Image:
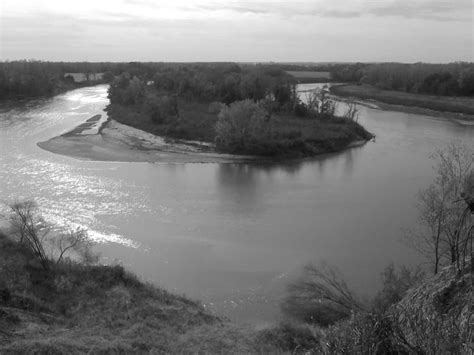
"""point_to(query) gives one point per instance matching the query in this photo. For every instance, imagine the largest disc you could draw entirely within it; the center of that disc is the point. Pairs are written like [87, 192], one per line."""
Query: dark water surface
[230, 235]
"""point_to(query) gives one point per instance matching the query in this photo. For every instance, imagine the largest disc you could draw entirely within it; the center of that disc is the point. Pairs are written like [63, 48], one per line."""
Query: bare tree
[47, 243]
[73, 241]
[30, 229]
[352, 113]
[321, 296]
[240, 124]
[319, 103]
[444, 228]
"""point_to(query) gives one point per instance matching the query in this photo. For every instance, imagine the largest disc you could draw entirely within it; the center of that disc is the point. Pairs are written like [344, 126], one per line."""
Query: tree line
[451, 79]
[205, 82]
[30, 78]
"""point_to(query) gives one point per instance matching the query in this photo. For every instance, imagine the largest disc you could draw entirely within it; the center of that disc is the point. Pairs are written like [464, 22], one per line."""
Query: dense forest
[22, 79]
[206, 82]
[30, 78]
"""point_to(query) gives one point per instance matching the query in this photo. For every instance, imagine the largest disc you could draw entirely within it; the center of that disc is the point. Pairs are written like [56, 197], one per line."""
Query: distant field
[307, 75]
[463, 105]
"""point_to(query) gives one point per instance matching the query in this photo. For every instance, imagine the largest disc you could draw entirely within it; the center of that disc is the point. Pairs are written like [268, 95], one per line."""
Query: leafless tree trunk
[443, 229]
[31, 229]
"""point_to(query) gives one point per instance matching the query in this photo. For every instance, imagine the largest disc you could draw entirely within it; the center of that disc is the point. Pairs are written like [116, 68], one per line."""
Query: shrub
[367, 334]
[162, 109]
[241, 125]
[215, 107]
[320, 296]
[395, 286]
[290, 337]
[47, 243]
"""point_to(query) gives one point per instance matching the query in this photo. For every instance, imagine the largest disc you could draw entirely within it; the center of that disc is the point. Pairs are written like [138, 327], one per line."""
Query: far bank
[459, 109]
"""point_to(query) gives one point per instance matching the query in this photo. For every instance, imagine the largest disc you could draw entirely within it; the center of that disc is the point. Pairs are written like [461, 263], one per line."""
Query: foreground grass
[292, 137]
[433, 318]
[462, 105]
[74, 308]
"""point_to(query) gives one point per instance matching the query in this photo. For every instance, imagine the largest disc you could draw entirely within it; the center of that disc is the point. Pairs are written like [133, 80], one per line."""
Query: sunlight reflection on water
[68, 192]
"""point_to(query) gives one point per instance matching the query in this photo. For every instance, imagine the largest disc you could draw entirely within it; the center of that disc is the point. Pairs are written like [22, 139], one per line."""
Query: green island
[242, 109]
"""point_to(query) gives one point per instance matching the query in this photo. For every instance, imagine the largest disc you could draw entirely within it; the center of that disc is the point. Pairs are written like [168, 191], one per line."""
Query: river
[231, 235]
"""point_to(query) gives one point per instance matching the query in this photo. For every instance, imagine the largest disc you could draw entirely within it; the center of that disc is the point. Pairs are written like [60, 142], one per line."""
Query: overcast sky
[234, 30]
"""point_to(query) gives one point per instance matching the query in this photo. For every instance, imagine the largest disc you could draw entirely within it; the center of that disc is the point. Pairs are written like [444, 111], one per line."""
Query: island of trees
[243, 109]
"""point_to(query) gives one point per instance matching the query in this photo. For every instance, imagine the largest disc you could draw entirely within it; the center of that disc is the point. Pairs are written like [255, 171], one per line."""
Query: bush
[47, 243]
[367, 334]
[162, 109]
[290, 337]
[395, 286]
[320, 296]
[216, 107]
[241, 126]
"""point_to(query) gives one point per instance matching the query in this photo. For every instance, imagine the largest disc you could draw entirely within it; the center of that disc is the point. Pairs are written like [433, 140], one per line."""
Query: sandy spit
[117, 142]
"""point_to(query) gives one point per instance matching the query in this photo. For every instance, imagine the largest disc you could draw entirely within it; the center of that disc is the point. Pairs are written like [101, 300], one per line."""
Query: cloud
[195, 30]
[284, 9]
[438, 10]
[441, 10]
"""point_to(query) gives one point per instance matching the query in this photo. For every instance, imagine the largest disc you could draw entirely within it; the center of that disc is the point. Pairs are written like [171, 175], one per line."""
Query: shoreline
[114, 141]
[117, 142]
[374, 101]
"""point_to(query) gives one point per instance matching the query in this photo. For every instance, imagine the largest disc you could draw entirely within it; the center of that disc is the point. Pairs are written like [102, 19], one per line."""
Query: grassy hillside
[438, 315]
[434, 317]
[74, 308]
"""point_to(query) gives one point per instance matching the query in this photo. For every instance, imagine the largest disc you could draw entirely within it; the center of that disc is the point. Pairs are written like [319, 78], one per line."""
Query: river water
[231, 235]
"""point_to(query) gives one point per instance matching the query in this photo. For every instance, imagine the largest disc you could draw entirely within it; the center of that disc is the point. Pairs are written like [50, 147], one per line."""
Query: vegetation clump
[411, 314]
[445, 230]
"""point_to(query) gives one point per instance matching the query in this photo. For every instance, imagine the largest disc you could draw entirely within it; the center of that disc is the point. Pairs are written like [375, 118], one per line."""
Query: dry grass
[76, 309]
